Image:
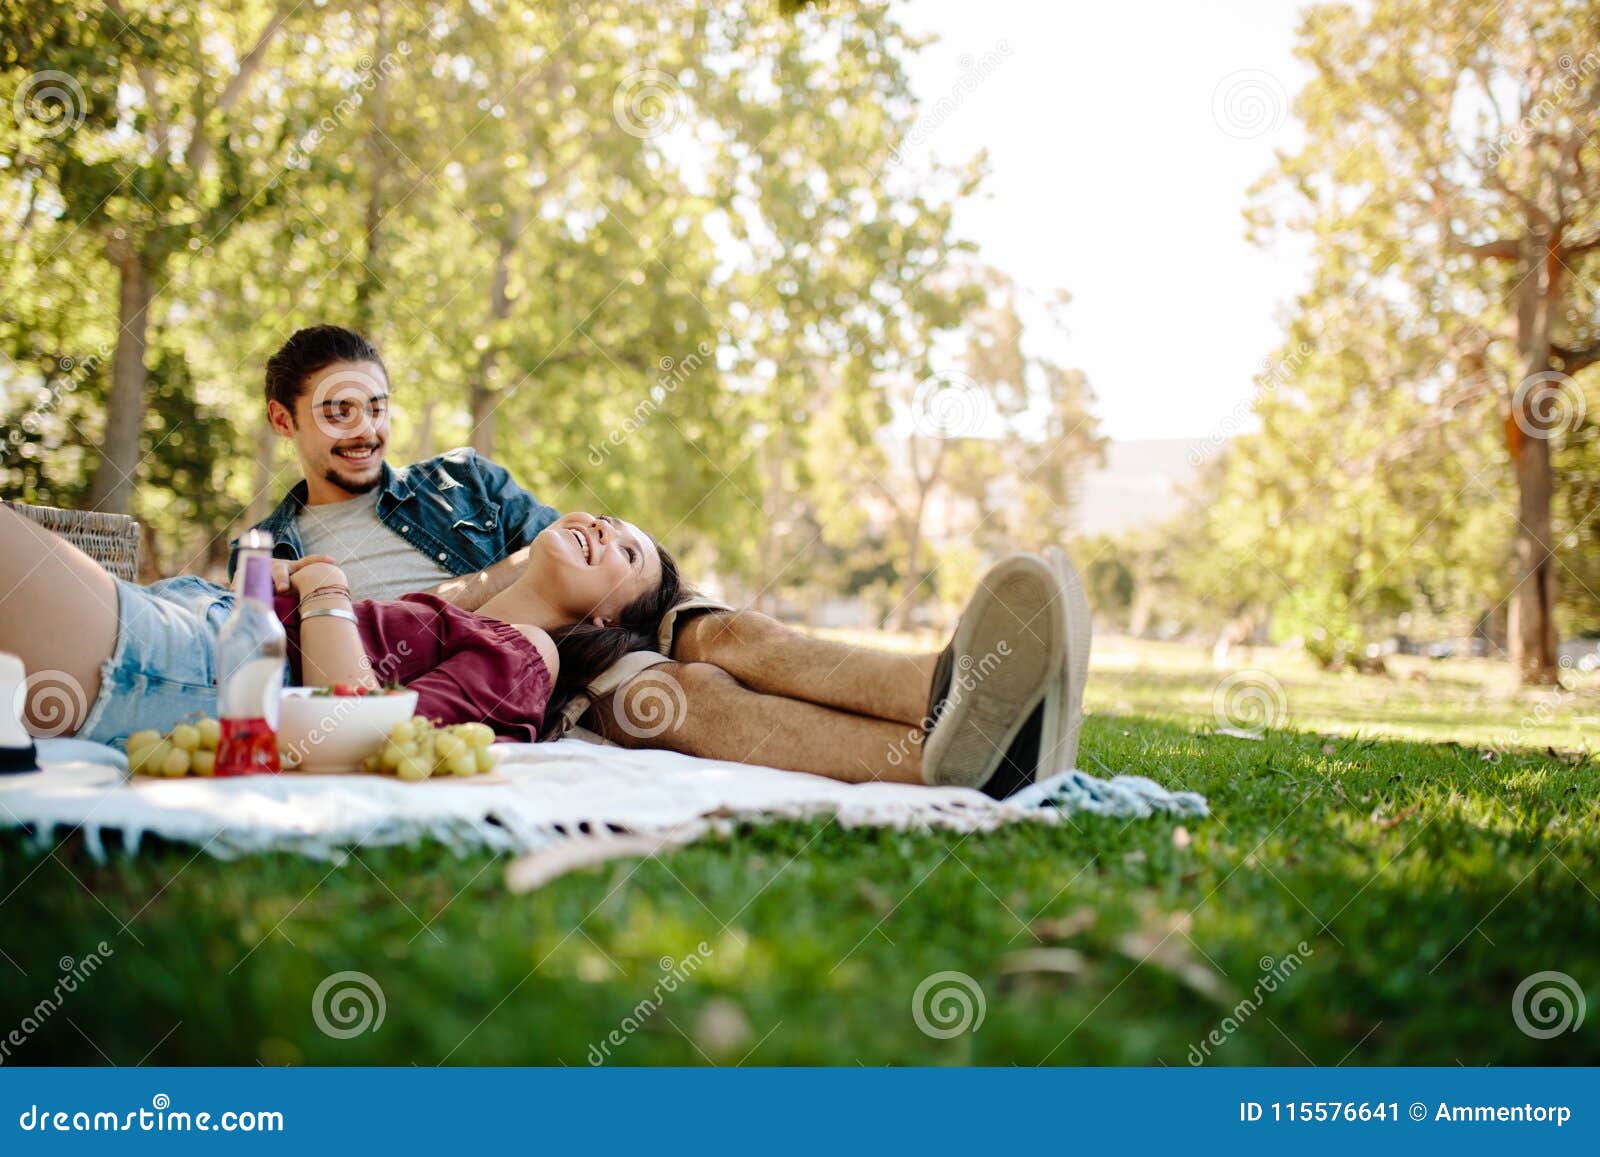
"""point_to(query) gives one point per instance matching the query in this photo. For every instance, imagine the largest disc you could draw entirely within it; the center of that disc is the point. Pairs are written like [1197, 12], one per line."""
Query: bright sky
[1111, 177]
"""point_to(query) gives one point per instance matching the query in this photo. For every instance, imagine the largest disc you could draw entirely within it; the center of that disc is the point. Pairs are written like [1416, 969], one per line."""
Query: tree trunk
[114, 478]
[368, 284]
[481, 394]
[1532, 628]
[905, 613]
[262, 498]
[425, 432]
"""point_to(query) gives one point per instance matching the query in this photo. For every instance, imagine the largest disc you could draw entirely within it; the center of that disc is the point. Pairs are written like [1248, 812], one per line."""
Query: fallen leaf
[721, 1028]
[1066, 961]
[1235, 733]
[1181, 838]
[873, 895]
[536, 869]
[1063, 927]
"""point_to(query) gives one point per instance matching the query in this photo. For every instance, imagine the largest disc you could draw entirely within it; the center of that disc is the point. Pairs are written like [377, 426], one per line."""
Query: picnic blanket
[542, 795]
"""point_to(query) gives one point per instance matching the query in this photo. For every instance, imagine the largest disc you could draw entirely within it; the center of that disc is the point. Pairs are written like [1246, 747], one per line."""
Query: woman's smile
[585, 544]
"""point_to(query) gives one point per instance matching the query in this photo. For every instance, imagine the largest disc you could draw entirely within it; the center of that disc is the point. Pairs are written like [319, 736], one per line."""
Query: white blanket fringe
[546, 793]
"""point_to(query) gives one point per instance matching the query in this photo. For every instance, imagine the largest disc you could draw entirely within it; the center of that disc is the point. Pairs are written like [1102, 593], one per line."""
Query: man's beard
[351, 486]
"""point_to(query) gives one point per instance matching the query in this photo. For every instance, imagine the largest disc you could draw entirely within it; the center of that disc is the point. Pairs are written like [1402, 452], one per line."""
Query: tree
[184, 176]
[1451, 163]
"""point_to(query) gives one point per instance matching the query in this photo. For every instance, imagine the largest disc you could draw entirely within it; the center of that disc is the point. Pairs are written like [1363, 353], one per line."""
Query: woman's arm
[331, 651]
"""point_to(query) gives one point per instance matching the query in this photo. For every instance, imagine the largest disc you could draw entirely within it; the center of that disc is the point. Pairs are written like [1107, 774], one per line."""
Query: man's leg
[700, 709]
[767, 656]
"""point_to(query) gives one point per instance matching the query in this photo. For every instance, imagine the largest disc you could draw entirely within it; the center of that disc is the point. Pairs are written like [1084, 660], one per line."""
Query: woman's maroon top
[465, 668]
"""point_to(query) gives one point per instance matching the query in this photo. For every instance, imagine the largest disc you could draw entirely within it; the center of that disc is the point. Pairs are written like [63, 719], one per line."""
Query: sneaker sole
[1063, 717]
[1018, 604]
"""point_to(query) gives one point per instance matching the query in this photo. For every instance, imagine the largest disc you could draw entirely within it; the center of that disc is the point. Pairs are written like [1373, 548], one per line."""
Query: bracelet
[330, 612]
[330, 589]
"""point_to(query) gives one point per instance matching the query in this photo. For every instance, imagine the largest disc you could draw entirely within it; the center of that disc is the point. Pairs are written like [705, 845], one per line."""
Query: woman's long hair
[587, 650]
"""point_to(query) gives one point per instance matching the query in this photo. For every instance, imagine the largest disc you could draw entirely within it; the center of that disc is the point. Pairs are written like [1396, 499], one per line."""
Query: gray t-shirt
[379, 563]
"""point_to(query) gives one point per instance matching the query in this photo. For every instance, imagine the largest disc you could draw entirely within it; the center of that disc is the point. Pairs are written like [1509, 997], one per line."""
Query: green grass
[1425, 882]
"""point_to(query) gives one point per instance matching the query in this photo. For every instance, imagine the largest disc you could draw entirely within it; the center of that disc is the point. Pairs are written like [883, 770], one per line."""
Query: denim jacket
[458, 507]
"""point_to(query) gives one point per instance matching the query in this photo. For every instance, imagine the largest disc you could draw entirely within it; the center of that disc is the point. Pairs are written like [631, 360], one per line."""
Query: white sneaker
[1004, 660]
[1058, 741]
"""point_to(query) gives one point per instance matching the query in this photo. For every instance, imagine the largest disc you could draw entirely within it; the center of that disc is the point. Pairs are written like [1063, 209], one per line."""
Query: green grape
[176, 763]
[154, 756]
[391, 755]
[184, 737]
[404, 732]
[462, 762]
[210, 733]
[142, 739]
[413, 768]
[203, 762]
[485, 759]
[477, 735]
[449, 744]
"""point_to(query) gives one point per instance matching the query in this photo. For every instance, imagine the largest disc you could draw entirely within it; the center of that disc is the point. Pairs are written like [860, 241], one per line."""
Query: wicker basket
[112, 540]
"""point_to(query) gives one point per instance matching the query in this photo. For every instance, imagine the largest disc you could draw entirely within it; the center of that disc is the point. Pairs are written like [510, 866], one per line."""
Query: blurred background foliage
[683, 261]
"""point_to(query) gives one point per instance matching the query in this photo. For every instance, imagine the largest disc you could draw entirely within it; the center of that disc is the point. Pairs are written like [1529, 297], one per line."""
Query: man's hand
[282, 568]
[307, 574]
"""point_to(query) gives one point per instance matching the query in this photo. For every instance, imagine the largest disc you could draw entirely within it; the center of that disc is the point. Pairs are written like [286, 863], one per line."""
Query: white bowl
[332, 734]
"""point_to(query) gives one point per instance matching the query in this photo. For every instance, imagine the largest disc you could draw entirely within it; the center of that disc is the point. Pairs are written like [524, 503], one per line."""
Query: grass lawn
[1367, 891]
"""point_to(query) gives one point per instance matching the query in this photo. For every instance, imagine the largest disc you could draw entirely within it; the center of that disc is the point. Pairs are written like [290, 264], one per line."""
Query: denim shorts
[163, 669]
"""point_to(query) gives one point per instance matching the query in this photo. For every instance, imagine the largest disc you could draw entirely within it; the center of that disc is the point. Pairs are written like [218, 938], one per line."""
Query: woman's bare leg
[58, 613]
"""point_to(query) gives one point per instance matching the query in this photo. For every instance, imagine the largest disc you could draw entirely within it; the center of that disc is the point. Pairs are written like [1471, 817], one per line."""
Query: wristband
[330, 612]
[329, 589]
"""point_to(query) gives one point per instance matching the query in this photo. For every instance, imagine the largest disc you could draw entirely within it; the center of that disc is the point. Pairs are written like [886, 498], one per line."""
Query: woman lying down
[146, 656]
[1002, 699]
